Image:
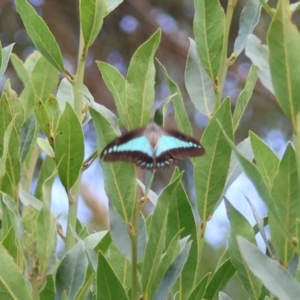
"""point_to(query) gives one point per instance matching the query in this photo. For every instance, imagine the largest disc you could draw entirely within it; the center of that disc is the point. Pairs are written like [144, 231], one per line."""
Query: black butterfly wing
[132, 147]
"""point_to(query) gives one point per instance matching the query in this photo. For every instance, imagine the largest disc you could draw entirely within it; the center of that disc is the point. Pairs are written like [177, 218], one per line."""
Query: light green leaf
[266, 160]
[92, 13]
[278, 280]
[70, 275]
[109, 286]
[199, 290]
[20, 69]
[209, 24]
[244, 97]
[40, 34]
[112, 4]
[156, 239]
[248, 20]
[198, 84]
[285, 192]
[181, 117]
[212, 168]
[13, 284]
[119, 178]
[283, 41]
[140, 81]
[69, 147]
[28, 199]
[259, 55]
[6, 52]
[240, 226]
[115, 82]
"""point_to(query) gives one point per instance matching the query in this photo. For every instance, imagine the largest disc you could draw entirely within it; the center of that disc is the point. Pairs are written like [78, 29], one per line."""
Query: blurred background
[124, 30]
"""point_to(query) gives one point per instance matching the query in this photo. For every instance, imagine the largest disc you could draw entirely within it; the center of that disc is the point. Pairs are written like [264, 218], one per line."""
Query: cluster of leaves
[158, 257]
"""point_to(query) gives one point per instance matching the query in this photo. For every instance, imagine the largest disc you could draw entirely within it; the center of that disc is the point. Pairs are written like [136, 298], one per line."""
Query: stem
[134, 244]
[297, 143]
[72, 215]
[200, 242]
[224, 61]
[87, 163]
[267, 8]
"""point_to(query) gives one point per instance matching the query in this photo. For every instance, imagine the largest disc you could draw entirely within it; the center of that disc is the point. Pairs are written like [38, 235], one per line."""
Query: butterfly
[152, 147]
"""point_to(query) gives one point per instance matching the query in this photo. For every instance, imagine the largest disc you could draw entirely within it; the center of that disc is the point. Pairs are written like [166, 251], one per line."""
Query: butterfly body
[152, 147]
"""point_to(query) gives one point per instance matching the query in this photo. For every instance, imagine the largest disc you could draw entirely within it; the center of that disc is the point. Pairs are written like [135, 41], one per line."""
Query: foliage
[158, 256]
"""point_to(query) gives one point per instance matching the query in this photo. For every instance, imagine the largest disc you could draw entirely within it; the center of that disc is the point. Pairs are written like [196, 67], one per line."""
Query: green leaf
[278, 280]
[223, 296]
[156, 239]
[13, 284]
[198, 84]
[285, 192]
[27, 137]
[46, 147]
[249, 18]
[119, 178]
[283, 41]
[70, 275]
[199, 290]
[40, 34]
[181, 218]
[160, 113]
[140, 81]
[212, 168]
[181, 117]
[10, 244]
[20, 68]
[219, 279]
[241, 227]
[121, 266]
[115, 82]
[266, 160]
[108, 284]
[28, 199]
[259, 182]
[172, 273]
[244, 97]
[6, 52]
[69, 147]
[112, 4]
[209, 25]
[259, 55]
[92, 13]
[48, 292]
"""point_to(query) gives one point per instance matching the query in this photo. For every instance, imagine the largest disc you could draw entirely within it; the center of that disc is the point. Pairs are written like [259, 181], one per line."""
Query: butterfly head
[153, 134]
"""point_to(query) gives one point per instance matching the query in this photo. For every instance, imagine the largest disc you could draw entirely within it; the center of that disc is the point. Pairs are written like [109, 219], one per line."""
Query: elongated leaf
[275, 278]
[161, 111]
[20, 69]
[28, 133]
[283, 40]
[241, 227]
[181, 218]
[40, 34]
[259, 54]
[115, 82]
[6, 51]
[219, 279]
[285, 192]
[108, 285]
[211, 169]
[119, 178]
[140, 83]
[244, 97]
[69, 147]
[172, 273]
[156, 239]
[9, 243]
[198, 84]
[209, 31]
[223, 296]
[13, 284]
[266, 160]
[199, 290]
[259, 182]
[92, 13]
[181, 117]
[249, 18]
[70, 274]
